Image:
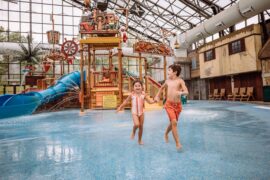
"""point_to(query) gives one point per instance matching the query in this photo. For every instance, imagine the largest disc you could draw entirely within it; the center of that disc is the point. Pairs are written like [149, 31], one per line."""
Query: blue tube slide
[25, 104]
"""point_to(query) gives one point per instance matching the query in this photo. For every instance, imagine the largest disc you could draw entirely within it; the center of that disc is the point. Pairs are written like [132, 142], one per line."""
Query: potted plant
[30, 55]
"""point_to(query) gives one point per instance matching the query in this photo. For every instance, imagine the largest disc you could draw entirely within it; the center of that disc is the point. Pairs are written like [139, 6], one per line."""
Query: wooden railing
[152, 86]
[45, 83]
[100, 81]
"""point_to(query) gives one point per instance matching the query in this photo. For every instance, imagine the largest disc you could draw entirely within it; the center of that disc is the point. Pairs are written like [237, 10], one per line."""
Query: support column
[165, 74]
[89, 77]
[165, 67]
[140, 66]
[145, 74]
[82, 83]
[53, 69]
[94, 59]
[110, 60]
[120, 74]
[232, 83]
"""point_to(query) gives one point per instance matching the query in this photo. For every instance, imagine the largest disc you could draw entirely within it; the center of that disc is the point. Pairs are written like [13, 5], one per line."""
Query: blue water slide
[25, 104]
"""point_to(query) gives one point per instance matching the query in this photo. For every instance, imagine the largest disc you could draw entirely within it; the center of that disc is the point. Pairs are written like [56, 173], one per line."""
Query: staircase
[152, 89]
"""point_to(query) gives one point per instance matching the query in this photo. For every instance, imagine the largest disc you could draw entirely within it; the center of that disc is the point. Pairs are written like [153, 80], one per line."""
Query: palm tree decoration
[29, 55]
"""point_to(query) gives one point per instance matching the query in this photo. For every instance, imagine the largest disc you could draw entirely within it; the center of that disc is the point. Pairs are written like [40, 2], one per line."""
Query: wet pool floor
[221, 140]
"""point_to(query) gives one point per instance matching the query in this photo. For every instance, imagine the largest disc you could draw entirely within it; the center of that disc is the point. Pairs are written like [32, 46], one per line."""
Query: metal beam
[173, 14]
[137, 23]
[195, 8]
[166, 20]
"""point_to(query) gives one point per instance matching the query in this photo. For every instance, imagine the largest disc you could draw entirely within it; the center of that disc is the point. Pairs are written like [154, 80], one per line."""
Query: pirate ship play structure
[91, 88]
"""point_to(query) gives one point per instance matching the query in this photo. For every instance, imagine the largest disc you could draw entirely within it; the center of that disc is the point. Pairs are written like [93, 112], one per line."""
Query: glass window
[58, 28]
[36, 8]
[14, 26]
[37, 28]
[4, 5]
[237, 46]
[47, 18]
[4, 24]
[47, 1]
[36, 18]
[25, 27]
[57, 10]
[47, 8]
[45, 38]
[68, 20]
[25, 17]
[37, 38]
[76, 29]
[59, 2]
[67, 10]
[68, 30]
[14, 16]
[47, 27]
[36, 1]
[23, 36]
[25, 6]
[193, 63]
[14, 7]
[16, 37]
[57, 19]
[77, 12]
[4, 15]
[3, 36]
[209, 55]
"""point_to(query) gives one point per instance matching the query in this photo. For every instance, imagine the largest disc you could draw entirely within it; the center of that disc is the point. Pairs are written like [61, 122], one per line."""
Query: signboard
[109, 101]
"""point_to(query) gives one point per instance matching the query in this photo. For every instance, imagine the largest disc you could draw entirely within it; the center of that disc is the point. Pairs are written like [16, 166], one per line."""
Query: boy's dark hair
[137, 81]
[176, 67]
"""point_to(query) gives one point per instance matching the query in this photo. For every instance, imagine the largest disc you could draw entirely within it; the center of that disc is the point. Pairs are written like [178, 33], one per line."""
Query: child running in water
[137, 97]
[175, 88]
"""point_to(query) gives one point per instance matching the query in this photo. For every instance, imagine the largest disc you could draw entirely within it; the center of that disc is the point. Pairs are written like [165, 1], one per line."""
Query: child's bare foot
[140, 142]
[132, 135]
[166, 138]
[179, 147]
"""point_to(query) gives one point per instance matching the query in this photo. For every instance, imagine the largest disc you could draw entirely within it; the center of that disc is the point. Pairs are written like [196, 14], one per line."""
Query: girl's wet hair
[137, 81]
[176, 68]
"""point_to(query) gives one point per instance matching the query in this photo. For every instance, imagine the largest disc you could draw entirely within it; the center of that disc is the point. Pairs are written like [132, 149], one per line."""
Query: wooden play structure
[106, 88]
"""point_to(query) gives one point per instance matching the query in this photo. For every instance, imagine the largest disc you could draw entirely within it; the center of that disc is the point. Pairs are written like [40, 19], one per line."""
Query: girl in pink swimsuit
[137, 97]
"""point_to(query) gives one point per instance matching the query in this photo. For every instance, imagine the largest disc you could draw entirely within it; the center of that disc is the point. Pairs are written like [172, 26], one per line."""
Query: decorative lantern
[53, 37]
[176, 45]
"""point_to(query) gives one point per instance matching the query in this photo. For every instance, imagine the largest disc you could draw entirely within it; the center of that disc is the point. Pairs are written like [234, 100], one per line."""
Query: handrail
[130, 80]
[153, 81]
[100, 72]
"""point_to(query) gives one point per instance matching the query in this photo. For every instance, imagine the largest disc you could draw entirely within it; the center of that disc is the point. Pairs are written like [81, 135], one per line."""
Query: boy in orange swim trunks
[175, 88]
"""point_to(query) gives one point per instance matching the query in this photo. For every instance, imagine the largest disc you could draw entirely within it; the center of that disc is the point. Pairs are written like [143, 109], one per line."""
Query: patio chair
[221, 95]
[248, 95]
[233, 94]
[1, 90]
[9, 90]
[212, 96]
[241, 93]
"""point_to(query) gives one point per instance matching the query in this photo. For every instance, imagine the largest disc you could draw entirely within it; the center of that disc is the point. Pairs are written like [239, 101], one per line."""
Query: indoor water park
[154, 89]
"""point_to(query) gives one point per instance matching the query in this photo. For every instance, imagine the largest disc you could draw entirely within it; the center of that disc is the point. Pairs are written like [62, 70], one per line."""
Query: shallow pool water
[221, 140]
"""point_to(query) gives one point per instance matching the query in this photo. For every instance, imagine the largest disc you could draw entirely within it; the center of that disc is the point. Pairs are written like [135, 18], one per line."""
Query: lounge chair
[221, 95]
[241, 93]
[233, 94]
[248, 95]
[212, 96]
